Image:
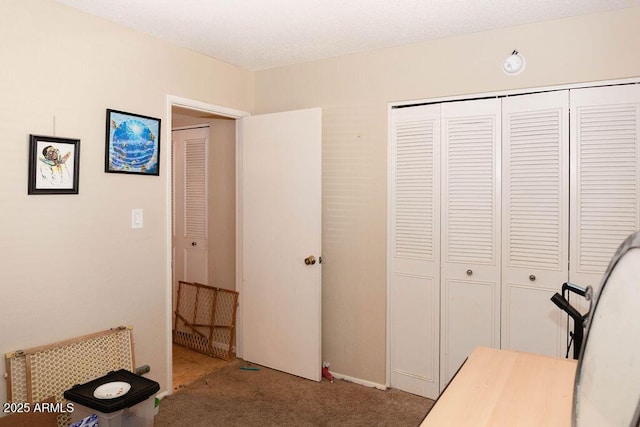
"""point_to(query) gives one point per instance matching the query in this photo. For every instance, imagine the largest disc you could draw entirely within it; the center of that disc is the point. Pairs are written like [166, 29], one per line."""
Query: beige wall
[354, 91]
[71, 264]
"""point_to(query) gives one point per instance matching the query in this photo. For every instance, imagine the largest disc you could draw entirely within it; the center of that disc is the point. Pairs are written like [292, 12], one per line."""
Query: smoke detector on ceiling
[514, 64]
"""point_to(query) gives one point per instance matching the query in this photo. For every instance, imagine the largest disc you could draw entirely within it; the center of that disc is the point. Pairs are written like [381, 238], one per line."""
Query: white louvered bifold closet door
[191, 207]
[470, 291]
[414, 250]
[535, 194]
[605, 177]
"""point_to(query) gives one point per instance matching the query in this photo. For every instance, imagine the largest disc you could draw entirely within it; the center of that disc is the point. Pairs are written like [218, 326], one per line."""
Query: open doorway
[202, 215]
[277, 188]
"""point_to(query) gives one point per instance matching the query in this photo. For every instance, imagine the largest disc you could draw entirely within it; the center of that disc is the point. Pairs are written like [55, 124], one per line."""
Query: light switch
[137, 220]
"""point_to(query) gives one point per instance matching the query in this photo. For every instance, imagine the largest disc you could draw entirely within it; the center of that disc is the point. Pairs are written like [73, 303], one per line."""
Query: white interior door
[414, 250]
[190, 261]
[281, 216]
[535, 229]
[471, 228]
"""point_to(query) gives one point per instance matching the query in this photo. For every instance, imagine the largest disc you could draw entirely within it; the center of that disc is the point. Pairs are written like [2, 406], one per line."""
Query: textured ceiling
[262, 34]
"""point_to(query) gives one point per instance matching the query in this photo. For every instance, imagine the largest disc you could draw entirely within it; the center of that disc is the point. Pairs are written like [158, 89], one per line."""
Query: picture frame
[54, 165]
[132, 143]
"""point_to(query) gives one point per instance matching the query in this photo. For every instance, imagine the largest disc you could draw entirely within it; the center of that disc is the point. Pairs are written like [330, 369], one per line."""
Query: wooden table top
[507, 388]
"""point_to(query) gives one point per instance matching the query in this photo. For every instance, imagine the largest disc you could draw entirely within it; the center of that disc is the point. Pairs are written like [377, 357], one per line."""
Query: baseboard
[358, 381]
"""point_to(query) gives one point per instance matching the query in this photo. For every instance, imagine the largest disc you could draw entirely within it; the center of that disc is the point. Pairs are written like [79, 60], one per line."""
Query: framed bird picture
[132, 144]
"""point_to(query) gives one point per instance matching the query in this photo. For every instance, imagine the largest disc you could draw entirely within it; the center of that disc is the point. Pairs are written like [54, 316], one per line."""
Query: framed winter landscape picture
[132, 143]
[54, 165]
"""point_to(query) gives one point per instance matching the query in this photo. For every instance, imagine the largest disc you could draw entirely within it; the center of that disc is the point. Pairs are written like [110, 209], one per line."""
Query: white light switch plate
[137, 219]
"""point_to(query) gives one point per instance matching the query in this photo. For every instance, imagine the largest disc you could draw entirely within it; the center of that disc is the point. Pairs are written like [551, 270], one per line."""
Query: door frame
[177, 101]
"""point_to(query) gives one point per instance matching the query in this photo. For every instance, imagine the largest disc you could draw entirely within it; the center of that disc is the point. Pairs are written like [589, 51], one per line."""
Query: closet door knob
[532, 278]
[469, 272]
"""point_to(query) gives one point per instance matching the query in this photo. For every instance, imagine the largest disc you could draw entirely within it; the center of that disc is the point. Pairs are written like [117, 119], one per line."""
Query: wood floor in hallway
[189, 365]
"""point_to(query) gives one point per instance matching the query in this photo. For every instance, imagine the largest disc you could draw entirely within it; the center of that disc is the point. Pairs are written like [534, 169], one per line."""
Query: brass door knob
[310, 260]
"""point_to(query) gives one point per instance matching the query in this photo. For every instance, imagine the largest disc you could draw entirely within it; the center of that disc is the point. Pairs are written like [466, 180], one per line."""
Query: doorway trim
[177, 101]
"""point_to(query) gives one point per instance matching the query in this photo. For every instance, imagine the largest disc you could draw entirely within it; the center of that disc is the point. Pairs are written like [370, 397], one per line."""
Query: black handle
[578, 320]
[564, 305]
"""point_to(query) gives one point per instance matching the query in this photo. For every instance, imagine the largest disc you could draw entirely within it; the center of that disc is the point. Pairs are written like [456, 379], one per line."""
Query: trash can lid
[141, 389]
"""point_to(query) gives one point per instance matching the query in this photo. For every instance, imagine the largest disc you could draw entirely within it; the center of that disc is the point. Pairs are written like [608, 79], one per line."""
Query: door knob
[469, 272]
[194, 244]
[310, 260]
[532, 278]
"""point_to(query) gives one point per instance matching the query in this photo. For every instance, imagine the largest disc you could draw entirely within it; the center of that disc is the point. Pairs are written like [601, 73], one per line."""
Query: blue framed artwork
[133, 144]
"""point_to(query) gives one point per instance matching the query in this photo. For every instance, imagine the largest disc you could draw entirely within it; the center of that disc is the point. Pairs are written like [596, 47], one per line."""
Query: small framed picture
[133, 144]
[54, 165]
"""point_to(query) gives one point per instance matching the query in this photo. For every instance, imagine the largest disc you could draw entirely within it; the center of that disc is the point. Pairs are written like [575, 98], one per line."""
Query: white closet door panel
[535, 159]
[532, 322]
[471, 313]
[416, 334]
[414, 250]
[605, 128]
[195, 261]
[471, 214]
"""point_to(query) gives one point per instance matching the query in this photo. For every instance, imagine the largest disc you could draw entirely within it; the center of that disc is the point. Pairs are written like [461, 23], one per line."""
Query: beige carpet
[234, 397]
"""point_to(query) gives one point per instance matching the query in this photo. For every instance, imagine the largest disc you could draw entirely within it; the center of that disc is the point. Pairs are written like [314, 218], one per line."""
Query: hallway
[189, 365]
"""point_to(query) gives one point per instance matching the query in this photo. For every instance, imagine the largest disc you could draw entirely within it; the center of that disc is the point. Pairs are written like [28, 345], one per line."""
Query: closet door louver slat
[414, 204]
[470, 189]
[195, 187]
[606, 182]
[534, 191]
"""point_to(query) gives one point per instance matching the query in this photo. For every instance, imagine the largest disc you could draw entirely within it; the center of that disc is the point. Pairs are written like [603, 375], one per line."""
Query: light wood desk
[507, 388]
